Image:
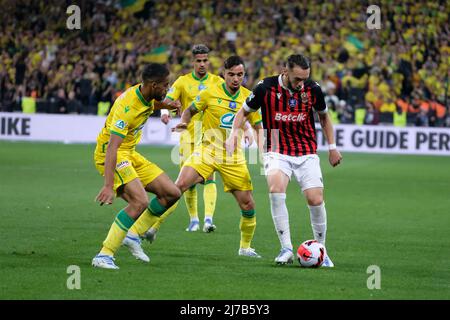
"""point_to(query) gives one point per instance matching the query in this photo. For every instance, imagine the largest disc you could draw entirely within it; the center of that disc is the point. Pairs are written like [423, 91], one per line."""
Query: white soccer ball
[311, 254]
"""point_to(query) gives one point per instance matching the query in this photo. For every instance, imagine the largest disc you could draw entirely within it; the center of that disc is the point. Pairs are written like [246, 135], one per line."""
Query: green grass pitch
[386, 210]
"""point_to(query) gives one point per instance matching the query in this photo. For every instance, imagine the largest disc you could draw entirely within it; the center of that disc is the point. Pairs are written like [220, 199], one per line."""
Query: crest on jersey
[292, 102]
[233, 105]
[120, 124]
[304, 97]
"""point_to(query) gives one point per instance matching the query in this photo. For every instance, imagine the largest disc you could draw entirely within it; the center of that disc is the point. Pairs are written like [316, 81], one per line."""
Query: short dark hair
[154, 72]
[232, 61]
[298, 60]
[199, 49]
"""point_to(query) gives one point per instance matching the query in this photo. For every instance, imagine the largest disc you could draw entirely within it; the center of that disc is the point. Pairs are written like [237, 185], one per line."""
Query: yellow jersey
[126, 119]
[185, 89]
[219, 108]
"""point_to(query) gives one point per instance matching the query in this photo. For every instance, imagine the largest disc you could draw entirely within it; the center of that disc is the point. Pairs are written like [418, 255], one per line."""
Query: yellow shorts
[130, 165]
[186, 149]
[235, 176]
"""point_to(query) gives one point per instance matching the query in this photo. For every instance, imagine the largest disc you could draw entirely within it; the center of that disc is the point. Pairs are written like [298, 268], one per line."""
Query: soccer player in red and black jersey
[288, 102]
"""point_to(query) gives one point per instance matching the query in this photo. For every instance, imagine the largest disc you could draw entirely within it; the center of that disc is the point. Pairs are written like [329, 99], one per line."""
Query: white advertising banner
[390, 139]
[84, 129]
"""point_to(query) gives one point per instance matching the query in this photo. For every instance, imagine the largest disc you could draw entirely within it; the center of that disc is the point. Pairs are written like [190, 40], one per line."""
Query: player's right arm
[106, 194]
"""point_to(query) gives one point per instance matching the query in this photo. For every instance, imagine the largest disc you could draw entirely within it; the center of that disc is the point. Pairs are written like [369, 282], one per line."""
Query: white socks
[318, 216]
[280, 218]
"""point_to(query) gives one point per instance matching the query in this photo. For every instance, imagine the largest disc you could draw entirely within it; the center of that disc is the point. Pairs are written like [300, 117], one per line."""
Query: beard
[299, 88]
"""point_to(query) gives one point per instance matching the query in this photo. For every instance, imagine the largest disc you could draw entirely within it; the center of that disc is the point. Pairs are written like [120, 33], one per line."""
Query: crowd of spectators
[401, 69]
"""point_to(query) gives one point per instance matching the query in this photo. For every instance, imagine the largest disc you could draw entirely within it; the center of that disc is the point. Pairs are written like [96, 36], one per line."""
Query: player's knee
[248, 204]
[182, 185]
[140, 204]
[276, 189]
[173, 194]
[315, 200]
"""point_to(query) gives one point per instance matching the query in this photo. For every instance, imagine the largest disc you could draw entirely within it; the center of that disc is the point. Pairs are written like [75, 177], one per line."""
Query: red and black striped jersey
[288, 116]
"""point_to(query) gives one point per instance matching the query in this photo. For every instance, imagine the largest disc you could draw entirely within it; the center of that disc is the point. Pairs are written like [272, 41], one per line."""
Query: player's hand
[165, 118]
[248, 137]
[176, 106]
[231, 143]
[180, 127]
[335, 157]
[106, 195]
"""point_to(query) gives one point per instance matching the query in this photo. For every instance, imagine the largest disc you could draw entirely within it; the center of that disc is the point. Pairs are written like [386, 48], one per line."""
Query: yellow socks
[144, 222]
[190, 197]
[209, 198]
[117, 233]
[248, 226]
[157, 224]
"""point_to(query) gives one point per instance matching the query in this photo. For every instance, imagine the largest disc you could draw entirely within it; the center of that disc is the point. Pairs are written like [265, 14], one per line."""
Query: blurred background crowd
[396, 74]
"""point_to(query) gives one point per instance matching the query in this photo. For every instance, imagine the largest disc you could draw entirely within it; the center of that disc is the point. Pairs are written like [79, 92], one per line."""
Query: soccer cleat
[104, 261]
[248, 252]
[327, 263]
[150, 235]
[208, 226]
[193, 226]
[134, 245]
[285, 256]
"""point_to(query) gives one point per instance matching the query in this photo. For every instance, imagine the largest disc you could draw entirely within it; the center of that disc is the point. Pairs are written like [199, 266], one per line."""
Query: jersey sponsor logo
[122, 164]
[278, 95]
[250, 97]
[290, 117]
[219, 101]
[226, 121]
[232, 105]
[127, 108]
[260, 82]
[120, 124]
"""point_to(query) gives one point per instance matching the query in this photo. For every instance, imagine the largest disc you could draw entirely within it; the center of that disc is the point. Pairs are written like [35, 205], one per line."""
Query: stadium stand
[398, 74]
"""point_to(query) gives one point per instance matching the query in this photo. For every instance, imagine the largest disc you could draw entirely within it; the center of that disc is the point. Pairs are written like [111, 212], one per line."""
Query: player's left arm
[334, 156]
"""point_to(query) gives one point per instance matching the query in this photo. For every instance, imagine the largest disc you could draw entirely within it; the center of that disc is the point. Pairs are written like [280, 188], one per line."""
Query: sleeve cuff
[324, 111]
[117, 134]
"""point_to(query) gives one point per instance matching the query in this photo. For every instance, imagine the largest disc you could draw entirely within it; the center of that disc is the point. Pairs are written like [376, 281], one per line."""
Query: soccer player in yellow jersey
[219, 105]
[128, 174]
[185, 89]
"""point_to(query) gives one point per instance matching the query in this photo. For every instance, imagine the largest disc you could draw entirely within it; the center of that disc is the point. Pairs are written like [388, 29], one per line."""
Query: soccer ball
[311, 254]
